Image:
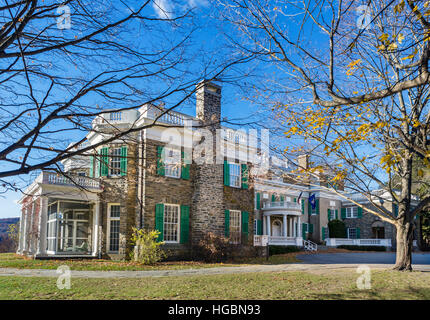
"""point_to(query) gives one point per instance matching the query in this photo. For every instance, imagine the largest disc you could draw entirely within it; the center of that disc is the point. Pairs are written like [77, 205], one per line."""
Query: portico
[282, 221]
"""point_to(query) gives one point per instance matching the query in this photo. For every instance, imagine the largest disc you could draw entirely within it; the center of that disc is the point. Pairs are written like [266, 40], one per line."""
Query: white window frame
[109, 220]
[348, 233]
[178, 231]
[114, 161]
[351, 212]
[172, 164]
[332, 214]
[235, 177]
[237, 239]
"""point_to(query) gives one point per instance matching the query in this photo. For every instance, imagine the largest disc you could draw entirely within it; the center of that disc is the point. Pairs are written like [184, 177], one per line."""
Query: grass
[11, 260]
[333, 284]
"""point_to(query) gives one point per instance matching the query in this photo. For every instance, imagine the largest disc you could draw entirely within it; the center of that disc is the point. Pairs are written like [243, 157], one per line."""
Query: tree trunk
[404, 238]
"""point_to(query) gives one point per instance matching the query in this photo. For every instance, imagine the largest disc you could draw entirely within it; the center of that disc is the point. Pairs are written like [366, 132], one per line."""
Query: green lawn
[11, 260]
[336, 284]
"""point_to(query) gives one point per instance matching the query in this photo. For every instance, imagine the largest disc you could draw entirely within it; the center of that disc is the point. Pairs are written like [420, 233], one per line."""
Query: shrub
[282, 249]
[213, 248]
[337, 229]
[363, 248]
[146, 248]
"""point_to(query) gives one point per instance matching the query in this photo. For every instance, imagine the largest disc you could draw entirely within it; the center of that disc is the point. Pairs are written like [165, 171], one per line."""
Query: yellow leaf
[400, 37]
[383, 37]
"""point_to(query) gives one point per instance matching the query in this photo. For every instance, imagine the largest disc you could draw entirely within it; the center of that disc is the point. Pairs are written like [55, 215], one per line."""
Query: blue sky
[209, 36]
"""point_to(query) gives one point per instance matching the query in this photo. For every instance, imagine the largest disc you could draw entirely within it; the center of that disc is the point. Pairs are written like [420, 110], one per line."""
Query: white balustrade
[334, 242]
[58, 179]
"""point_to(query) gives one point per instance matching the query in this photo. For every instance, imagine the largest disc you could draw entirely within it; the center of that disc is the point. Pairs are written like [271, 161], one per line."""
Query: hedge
[282, 249]
[363, 248]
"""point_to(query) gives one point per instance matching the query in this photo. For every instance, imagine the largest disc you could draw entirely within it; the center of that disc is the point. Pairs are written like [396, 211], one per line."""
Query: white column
[290, 234]
[21, 232]
[43, 220]
[96, 219]
[299, 227]
[284, 224]
[268, 225]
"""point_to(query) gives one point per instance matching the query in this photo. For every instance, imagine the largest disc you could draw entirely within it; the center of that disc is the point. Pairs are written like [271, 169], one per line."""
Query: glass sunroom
[69, 227]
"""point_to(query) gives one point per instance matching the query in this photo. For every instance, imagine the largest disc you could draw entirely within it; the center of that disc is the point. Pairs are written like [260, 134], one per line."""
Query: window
[351, 212]
[82, 174]
[113, 227]
[115, 161]
[235, 226]
[352, 233]
[172, 162]
[235, 175]
[171, 223]
[332, 214]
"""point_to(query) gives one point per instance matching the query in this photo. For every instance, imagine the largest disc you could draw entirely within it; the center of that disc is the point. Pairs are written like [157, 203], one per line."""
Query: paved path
[361, 258]
[194, 272]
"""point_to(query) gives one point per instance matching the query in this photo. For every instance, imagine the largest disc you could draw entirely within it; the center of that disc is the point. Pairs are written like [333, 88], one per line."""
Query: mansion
[132, 181]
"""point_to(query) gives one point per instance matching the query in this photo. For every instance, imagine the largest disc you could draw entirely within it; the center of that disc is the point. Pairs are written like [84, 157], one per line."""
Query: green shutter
[245, 223]
[226, 173]
[323, 233]
[273, 198]
[318, 205]
[91, 166]
[343, 213]
[185, 223]
[159, 220]
[227, 224]
[358, 233]
[328, 214]
[304, 230]
[360, 212]
[123, 161]
[185, 170]
[295, 200]
[258, 201]
[245, 176]
[160, 164]
[311, 228]
[282, 200]
[336, 212]
[303, 206]
[104, 162]
[259, 227]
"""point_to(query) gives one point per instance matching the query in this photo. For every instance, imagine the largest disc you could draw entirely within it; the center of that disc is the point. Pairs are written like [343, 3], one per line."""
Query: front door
[277, 228]
[378, 232]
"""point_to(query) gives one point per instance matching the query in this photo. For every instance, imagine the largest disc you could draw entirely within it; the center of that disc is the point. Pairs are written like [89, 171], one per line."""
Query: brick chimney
[207, 204]
[208, 106]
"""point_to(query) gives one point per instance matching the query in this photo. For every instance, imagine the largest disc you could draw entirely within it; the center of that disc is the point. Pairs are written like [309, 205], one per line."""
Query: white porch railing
[282, 204]
[309, 245]
[285, 241]
[116, 117]
[334, 242]
[57, 179]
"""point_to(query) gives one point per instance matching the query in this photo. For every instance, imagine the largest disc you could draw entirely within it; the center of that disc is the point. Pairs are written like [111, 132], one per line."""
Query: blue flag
[312, 201]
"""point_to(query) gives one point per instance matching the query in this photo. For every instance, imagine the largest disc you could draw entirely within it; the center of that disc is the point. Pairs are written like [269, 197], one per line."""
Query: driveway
[361, 258]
